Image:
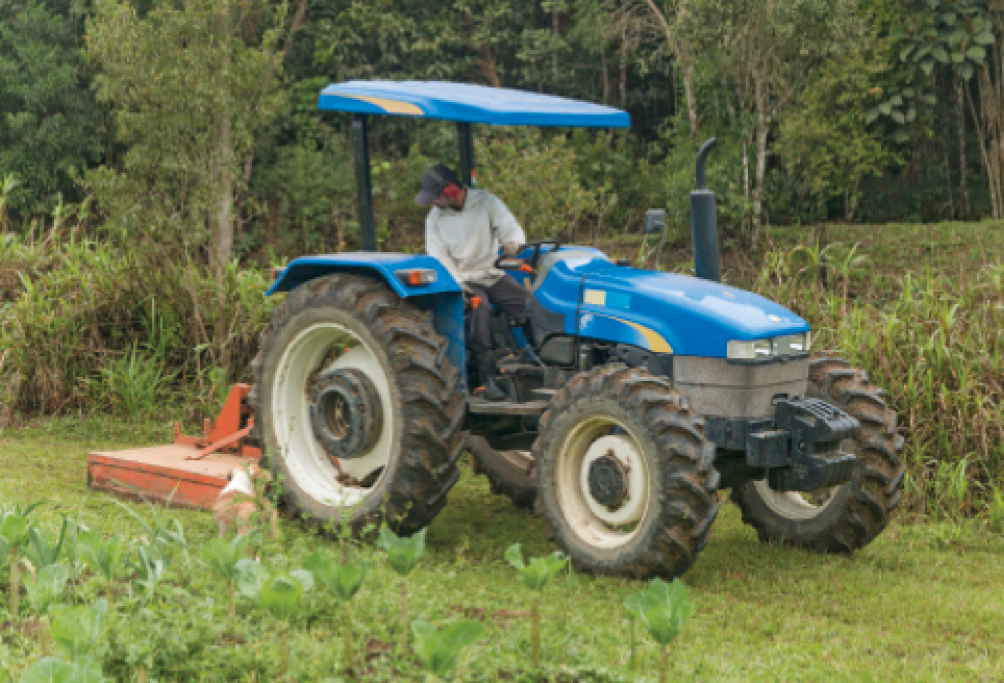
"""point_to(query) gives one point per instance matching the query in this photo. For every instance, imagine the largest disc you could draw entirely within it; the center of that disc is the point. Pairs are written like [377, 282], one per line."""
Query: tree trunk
[763, 119]
[298, 18]
[554, 53]
[224, 184]
[685, 59]
[623, 74]
[961, 116]
[606, 77]
[688, 89]
[222, 218]
[222, 156]
[746, 179]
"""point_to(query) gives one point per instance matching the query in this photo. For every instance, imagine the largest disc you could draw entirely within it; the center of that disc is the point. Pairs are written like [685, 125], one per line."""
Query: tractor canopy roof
[467, 103]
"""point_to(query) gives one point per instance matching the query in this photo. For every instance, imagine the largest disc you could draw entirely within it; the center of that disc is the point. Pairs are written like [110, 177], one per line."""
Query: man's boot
[486, 372]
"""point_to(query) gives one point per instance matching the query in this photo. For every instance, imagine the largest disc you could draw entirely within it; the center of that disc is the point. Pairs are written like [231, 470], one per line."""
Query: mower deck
[163, 473]
[189, 473]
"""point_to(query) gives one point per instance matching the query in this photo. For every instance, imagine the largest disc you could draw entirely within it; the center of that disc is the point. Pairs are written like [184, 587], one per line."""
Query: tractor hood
[676, 313]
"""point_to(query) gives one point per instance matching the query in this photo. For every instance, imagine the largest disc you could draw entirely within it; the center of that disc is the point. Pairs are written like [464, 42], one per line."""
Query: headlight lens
[765, 349]
[791, 344]
[758, 349]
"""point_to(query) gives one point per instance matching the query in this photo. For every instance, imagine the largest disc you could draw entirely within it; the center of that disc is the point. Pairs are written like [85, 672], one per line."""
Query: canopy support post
[465, 136]
[364, 185]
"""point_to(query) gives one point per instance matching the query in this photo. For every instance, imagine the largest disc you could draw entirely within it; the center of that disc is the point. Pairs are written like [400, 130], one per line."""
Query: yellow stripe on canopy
[391, 106]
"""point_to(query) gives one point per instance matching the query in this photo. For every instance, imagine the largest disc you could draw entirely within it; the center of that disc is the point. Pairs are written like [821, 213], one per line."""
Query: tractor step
[189, 473]
[483, 407]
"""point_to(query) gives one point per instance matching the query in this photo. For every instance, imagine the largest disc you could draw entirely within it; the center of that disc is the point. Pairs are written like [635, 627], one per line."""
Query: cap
[435, 179]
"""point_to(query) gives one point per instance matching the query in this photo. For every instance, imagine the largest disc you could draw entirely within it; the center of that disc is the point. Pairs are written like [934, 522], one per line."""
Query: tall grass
[87, 323]
[935, 345]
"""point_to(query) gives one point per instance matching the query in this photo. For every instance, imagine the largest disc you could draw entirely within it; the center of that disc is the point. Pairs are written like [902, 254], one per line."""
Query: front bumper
[799, 448]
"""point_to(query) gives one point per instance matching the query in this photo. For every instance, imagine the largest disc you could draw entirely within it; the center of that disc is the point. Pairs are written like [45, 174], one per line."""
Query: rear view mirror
[655, 221]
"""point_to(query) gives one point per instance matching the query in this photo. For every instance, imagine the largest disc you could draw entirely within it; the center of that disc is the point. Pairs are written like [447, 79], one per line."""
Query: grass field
[922, 603]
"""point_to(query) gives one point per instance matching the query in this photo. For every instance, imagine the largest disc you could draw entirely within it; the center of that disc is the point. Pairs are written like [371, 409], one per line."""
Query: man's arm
[434, 247]
[505, 226]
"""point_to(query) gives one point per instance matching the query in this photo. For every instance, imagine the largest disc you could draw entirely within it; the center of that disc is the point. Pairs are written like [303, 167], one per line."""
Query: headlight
[791, 344]
[765, 349]
[758, 349]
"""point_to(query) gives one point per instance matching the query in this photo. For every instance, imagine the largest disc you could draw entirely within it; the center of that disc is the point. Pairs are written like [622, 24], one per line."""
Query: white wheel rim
[794, 504]
[306, 461]
[593, 522]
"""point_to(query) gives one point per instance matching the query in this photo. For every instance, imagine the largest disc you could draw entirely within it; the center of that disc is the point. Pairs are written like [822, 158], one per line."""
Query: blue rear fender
[443, 297]
[377, 264]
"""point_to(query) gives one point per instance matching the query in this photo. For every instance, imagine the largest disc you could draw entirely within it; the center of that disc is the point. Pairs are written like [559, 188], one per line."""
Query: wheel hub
[608, 481]
[346, 413]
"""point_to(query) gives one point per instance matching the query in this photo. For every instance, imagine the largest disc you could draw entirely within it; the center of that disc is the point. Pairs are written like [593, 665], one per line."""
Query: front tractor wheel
[842, 518]
[627, 485]
[356, 406]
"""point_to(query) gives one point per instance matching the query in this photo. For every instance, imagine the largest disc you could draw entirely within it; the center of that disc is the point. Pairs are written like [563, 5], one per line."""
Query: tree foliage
[49, 121]
[191, 86]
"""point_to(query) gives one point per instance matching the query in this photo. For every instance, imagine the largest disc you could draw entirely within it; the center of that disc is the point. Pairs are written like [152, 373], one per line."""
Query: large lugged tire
[398, 432]
[615, 431]
[846, 517]
[509, 473]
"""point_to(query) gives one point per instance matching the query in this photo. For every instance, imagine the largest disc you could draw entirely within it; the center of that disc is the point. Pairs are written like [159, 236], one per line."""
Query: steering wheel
[535, 258]
[526, 265]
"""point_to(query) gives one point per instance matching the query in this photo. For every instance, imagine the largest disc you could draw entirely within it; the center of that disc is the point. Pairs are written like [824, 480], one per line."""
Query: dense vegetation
[192, 120]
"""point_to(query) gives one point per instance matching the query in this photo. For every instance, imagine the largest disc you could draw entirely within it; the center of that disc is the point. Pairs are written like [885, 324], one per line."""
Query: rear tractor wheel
[842, 518]
[356, 407]
[627, 485]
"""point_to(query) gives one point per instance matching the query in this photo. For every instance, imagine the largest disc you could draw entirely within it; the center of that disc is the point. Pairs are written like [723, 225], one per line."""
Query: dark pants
[506, 295]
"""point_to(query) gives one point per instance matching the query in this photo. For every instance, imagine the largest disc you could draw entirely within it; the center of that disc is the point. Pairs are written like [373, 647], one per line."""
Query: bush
[88, 324]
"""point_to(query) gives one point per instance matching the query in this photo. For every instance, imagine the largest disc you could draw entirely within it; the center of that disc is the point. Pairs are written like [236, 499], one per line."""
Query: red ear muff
[452, 191]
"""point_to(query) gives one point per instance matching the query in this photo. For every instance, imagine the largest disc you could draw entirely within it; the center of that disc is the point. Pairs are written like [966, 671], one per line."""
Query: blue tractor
[633, 396]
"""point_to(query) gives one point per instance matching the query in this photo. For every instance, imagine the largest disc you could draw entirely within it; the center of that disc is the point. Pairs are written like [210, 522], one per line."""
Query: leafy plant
[535, 576]
[104, 556]
[280, 594]
[166, 535]
[40, 550]
[403, 555]
[222, 556]
[77, 630]
[45, 590]
[149, 563]
[438, 650]
[14, 533]
[663, 608]
[55, 670]
[343, 581]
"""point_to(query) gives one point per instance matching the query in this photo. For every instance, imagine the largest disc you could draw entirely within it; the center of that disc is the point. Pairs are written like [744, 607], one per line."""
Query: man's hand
[511, 248]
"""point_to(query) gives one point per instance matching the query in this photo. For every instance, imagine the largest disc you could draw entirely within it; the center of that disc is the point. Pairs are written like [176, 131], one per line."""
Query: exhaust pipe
[704, 222]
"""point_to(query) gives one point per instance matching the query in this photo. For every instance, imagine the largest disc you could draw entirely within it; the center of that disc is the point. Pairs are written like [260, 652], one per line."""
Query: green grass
[921, 603]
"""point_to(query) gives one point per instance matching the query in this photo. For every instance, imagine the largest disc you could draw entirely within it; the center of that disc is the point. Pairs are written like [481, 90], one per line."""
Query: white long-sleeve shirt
[467, 242]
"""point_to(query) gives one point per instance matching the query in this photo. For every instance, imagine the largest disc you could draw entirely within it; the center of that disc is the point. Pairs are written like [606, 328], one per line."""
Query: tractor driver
[463, 231]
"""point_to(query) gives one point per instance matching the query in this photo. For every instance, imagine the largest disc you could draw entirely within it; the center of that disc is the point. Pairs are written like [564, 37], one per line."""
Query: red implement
[189, 473]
